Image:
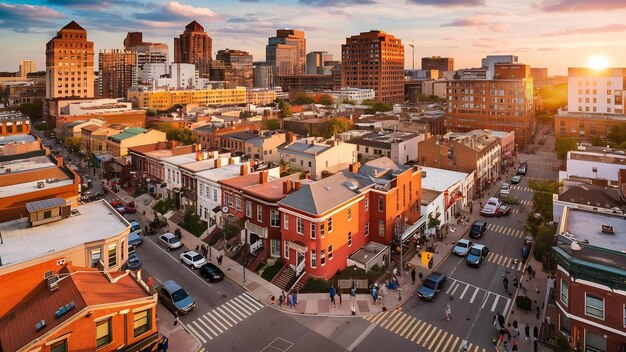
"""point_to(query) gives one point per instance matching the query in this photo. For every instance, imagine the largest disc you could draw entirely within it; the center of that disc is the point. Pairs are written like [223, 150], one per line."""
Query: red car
[121, 210]
[116, 204]
[130, 210]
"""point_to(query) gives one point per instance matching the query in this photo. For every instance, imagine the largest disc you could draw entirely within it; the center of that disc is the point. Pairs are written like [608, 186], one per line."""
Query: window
[275, 248]
[322, 230]
[349, 214]
[103, 333]
[299, 226]
[238, 203]
[349, 239]
[122, 246]
[286, 222]
[381, 228]
[625, 315]
[330, 225]
[95, 255]
[594, 306]
[60, 346]
[367, 229]
[313, 259]
[564, 290]
[367, 204]
[323, 257]
[112, 255]
[274, 218]
[259, 213]
[248, 209]
[47, 214]
[286, 249]
[215, 195]
[594, 169]
[330, 252]
[380, 203]
[313, 230]
[142, 322]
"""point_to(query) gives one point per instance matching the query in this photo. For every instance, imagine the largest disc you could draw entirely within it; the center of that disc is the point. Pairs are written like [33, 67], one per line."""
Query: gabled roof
[593, 195]
[73, 25]
[194, 26]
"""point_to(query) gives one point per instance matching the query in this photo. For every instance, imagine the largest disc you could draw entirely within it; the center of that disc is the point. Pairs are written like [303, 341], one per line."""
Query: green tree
[151, 112]
[73, 144]
[285, 110]
[618, 134]
[377, 106]
[327, 99]
[564, 145]
[192, 223]
[333, 126]
[183, 135]
[273, 125]
[597, 141]
[32, 110]
[348, 101]
[544, 241]
[302, 99]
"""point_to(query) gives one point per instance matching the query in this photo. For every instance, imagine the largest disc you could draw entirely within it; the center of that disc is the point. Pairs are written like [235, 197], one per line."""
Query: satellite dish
[225, 209]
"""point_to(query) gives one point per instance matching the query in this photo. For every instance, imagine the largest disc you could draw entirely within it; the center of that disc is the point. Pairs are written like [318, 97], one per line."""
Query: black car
[478, 229]
[211, 272]
[432, 286]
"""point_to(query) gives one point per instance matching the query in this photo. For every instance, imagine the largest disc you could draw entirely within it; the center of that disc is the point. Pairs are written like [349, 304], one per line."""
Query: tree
[285, 110]
[544, 241]
[73, 144]
[245, 114]
[564, 145]
[151, 112]
[183, 135]
[333, 126]
[327, 99]
[32, 110]
[348, 101]
[376, 106]
[618, 134]
[273, 125]
[302, 99]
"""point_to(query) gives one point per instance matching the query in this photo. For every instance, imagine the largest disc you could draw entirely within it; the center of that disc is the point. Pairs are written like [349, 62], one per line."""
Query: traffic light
[427, 260]
[430, 263]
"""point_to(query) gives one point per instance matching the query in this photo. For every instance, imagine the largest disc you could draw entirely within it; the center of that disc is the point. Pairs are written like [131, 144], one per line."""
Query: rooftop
[220, 173]
[128, 133]
[594, 195]
[302, 147]
[608, 157]
[273, 190]
[94, 221]
[241, 135]
[16, 138]
[587, 226]
[28, 164]
[383, 139]
[440, 179]
[477, 139]
[428, 195]
[13, 116]
[180, 159]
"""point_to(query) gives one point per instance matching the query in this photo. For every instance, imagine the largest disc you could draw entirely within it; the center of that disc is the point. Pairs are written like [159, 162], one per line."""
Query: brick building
[117, 72]
[13, 122]
[194, 46]
[302, 83]
[234, 67]
[441, 64]
[374, 60]
[584, 126]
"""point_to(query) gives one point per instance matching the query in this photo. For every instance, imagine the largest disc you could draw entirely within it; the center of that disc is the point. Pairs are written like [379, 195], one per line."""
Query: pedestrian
[505, 347]
[281, 298]
[535, 343]
[526, 331]
[535, 333]
[517, 333]
[219, 259]
[165, 344]
[495, 323]
[413, 275]
[507, 333]
[375, 293]
[448, 312]
[175, 318]
[295, 299]
[505, 282]
[290, 299]
[332, 293]
[515, 282]
[198, 248]
[537, 312]
[339, 295]
[514, 345]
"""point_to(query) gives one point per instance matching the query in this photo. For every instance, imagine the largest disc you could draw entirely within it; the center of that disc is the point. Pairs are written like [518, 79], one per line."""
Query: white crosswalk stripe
[216, 322]
[499, 259]
[521, 188]
[505, 230]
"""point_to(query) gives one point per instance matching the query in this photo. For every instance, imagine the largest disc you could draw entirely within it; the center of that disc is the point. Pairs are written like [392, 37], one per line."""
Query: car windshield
[196, 258]
[463, 244]
[430, 284]
[475, 251]
[172, 240]
[492, 203]
[476, 228]
[179, 295]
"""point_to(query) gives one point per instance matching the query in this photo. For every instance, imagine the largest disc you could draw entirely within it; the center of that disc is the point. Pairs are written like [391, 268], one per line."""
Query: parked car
[491, 208]
[121, 210]
[193, 259]
[505, 189]
[516, 179]
[135, 227]
[432, 286]
[211, 272]
[522, 170]
[134, 239]
[476, 254]
[130, 210]
[462, 247]
[503, 210]
[170, 241]
[133, 263]
[175, 298]
[478, 229]
[116, 203]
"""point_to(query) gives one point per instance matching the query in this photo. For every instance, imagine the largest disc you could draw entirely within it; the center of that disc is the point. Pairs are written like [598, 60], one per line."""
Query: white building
[95, 107]
[593, 165]
[401, 147]
[182, 76]
[309, 155]
[151, 72]
[354, 94]
[596, 91]
[490, 61]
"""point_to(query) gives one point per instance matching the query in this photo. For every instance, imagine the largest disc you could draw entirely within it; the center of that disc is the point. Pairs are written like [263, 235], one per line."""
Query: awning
[415, 228]
[298, 246]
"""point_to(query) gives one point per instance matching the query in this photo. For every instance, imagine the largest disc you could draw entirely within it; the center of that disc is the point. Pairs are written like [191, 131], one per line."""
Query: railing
[300, 267]
[256, 246]
[254, 228]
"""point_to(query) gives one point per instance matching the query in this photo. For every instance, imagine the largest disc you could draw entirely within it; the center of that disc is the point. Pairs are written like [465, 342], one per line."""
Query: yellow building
[118, 144]
[93, 138]
[166, 99]
[261, 96]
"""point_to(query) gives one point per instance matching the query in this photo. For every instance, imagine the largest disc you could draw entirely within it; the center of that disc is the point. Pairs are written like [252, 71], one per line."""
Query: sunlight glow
[598, 62]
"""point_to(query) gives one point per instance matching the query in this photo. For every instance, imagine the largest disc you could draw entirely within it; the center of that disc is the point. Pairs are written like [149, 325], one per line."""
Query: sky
[544, 33]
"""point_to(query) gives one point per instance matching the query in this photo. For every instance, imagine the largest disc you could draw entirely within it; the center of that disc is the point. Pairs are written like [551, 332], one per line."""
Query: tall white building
[490, 61]
[596, 91]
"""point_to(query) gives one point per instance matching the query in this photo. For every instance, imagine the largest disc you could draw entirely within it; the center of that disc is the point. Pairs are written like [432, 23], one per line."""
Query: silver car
[170, 241]
[462, 247]
[193, 259]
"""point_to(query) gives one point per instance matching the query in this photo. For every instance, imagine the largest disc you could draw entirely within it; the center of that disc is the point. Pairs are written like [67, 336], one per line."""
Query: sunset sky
[544, 33]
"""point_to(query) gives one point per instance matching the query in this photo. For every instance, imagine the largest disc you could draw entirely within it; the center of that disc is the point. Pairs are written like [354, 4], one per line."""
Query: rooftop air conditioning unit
[53, 282]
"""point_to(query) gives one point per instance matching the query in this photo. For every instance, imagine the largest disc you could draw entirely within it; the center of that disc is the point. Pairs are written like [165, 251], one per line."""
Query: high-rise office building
[69, 64]
[287, 52]
[147, 52]
[441, 64]
[26, 67]
[263, 74]
[374, 60]
[117, 72]
[234, 67]
[316, 63]
[194, 46]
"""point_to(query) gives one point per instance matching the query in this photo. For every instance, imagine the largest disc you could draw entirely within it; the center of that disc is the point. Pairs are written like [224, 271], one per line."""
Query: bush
[192, 223]
[164, 205]
[544, 241]
[139, 191]
[523, 302]
[271, 271]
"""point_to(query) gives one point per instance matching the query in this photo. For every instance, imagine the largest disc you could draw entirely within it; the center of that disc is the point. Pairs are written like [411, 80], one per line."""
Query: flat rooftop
[17, 138]
[21, 165]
[95, 221]
[440, 179]
[31, 186]
[614, 157]
[587, 225]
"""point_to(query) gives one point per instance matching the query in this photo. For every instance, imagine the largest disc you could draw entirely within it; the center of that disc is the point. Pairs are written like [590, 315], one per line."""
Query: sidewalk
[179, 339]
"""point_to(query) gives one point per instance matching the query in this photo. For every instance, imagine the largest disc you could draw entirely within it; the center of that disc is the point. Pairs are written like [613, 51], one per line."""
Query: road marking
[198, 335]
[207, 326]
[432, 343]
[506, 306]
[225, 315]
[236, 312]
[425, 324]
[443, 338]
[495, 303]
[361, 337]
[408, 318]
[485, 299]
[453, 346]
[464, 291]
[450, 287]
[242, 308]
[247, 303]
[212, 323]
[411, 324]
[474, 295]
[217, 320]
[453, 291]
[428, 326]
[389, 322]
[377, 318]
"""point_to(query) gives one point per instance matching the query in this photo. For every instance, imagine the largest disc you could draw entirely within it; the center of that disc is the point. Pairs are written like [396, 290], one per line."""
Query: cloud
[28, 18]
[336, 2]
[448, 3]
[610, 28]
[96, 4]
[173, 13]
[581, 5]
[477, 21]
[547, 49]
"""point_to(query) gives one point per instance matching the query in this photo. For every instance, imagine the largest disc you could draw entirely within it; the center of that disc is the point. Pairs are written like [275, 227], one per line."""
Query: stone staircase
[300, 284]
[284, 277]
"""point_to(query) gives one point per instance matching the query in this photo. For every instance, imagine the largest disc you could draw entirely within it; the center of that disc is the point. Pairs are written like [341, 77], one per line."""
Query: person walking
[535, 345]
[514, 345]
[281, 298]
[448, 312]
[375, 293]
[505, 282]
[332, 293]
[413, 275]
[527, 331]
[505, 347]
[219, 259]
[339, 295]
[537, 311]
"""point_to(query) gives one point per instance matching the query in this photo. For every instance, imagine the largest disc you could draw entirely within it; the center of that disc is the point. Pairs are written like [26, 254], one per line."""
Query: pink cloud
[581, 5]
[477, 21]
[610, 28]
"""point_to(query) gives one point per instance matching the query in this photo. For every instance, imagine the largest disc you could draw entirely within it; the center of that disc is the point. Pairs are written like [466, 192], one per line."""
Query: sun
[598, 62]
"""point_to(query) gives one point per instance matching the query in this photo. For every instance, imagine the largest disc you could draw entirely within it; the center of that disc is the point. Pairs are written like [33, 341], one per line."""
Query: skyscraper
[69, 64]
[26, 67]
[316, 63]
[147, 52]
[374, 60]
[287, 52]
[234, 67]
[117, 72]
[194, 46]
[438, 63]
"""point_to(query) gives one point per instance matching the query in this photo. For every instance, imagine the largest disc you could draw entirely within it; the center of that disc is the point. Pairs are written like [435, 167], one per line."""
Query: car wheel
[208, 279]
[191, 266]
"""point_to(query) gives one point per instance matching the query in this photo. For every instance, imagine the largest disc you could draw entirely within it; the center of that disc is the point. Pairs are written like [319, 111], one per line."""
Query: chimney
[296, 186]
[313, 141]
[198, 155]
[307, 175]
[198, 146]
[286, 187]
[290, 137]
[243, 169]
[205, 154]
[354, 168]
[218, 163]
[59, 161]
[263, 177]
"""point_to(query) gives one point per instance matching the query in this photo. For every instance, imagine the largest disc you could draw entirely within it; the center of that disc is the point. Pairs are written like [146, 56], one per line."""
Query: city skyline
[545, 33]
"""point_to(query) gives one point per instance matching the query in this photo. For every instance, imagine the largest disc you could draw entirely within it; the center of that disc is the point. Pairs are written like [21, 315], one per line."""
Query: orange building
[13, 122]
[209, 135]
[193, 46]
[133, 118]
[584, 126]
[325, 222]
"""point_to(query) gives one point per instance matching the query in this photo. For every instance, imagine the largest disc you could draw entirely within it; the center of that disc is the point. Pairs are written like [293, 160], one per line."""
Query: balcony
[256, 229]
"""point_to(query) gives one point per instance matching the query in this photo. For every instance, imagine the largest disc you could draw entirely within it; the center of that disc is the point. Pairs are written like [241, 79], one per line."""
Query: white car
[193, 259]
[505, 189]
[491, 208]
[170, 241]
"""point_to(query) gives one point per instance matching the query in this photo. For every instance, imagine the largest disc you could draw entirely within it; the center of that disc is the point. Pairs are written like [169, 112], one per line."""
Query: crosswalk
[505, 230]
[507, 262]
[421, 332]
[466, 292]
[224, 317]
[547, 163]
[521, 188]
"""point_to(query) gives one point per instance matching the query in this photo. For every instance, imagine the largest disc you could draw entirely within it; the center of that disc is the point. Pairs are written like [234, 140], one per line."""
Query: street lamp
[413, 55]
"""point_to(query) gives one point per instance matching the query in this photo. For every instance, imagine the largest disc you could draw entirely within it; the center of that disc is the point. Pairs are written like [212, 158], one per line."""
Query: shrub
[164, 205]
[192, 223]
[271, 271]
[523, 302]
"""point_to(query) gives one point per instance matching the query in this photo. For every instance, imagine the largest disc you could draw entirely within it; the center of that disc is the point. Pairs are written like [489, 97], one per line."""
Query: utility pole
[413, 55]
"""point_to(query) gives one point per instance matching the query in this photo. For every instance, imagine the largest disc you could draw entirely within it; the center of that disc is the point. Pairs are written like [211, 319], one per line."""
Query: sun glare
[598, 62]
